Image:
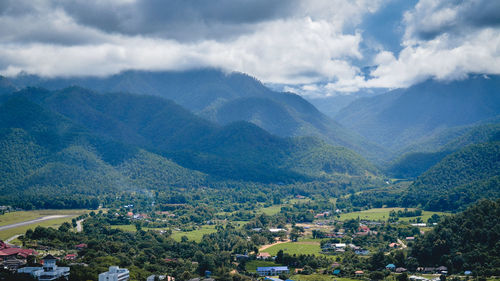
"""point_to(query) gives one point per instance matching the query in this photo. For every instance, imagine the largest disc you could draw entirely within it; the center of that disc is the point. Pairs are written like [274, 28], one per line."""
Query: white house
[49, 271]
[115, 274]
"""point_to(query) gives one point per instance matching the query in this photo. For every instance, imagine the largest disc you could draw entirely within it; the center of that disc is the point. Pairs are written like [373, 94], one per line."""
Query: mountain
[223, 98]
[413, 164]
[239, 150]
[465, 241]
[459, 179]
[406, 117]
[6, 87]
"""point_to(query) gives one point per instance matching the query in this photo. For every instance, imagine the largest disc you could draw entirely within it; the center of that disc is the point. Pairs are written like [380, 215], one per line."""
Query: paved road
[12, 238]
[46, 218]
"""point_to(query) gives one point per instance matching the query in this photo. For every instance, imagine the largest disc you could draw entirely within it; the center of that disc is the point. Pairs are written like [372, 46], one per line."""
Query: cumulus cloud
[307, 46]
[287, 42]
[443, 40]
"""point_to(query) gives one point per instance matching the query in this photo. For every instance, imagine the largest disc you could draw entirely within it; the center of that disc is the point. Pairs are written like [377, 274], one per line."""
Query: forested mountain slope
[465, 241]
[65, 148]
[224, 98]
[409, 116]
[459, 179]
[413, 164]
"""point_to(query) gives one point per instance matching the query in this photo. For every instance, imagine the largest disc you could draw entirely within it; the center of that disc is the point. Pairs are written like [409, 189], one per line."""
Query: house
[362, 252]
[467, 272]
[70, 257]
[272, 270]
[276, 230]
[417, 278]
[390, 267]
[359, 273]
[336, 272]
[401, 270]
[394, 245]
[411, 238]
[115, 274]
[81, 246]
[160, 277]
[442, 270]
[6, 251]
[240, 257]
[13, 263]
[263, 256]
[49, 271]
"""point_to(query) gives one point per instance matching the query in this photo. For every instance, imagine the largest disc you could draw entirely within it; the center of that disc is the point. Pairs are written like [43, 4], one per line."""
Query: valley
[243, 181]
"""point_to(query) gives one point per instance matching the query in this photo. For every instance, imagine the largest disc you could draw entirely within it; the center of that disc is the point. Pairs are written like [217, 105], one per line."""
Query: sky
[316, 48]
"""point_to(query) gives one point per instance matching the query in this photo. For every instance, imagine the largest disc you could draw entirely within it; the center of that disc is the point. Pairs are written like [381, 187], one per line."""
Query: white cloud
[443, 40]
[307, 47]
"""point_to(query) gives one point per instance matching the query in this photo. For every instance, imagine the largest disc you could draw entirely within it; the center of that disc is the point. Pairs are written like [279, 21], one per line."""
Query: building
[263, 256]
[272, 270]
[49, 271]
[115, 274]
[390, 267]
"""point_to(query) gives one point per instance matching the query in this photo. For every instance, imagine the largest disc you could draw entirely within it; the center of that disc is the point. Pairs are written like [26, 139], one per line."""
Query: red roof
[83, 245]
[17, 251]
[70, 257]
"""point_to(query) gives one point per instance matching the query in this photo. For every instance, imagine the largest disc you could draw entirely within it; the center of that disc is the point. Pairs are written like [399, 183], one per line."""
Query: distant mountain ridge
[223, 98]
[406, 117]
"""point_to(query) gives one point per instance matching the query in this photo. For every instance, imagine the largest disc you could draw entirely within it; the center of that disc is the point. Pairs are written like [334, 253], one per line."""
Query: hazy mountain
[410, 116]
[413, 164]
[224, 98]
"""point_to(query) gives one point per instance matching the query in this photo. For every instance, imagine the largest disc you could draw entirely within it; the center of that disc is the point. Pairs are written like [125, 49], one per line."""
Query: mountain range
[223, 98]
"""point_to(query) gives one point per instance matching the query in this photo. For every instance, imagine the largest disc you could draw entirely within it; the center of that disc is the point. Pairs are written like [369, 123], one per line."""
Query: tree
[402, 277]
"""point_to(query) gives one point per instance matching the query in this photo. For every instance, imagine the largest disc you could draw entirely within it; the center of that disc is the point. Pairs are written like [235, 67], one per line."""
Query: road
[46, 218]
[403, 245]
[270, 245]
[79, 227]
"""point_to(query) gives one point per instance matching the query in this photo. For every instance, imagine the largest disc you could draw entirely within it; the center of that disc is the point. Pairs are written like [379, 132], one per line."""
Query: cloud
[313, 47]
[289, 42]
[443, 40]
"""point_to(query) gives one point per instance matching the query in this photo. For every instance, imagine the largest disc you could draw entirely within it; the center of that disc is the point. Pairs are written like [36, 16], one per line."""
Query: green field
[271, 210]
[251, 266]
[382, 214]
[302, 247]
[6, 234]
[15, 217]
[194, 235]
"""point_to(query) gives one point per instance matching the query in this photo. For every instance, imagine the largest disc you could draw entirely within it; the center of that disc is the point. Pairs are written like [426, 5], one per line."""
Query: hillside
[413, 164]
[223, 98]
[465, 241]
[240, 150]
[459, 179]
[409, 116]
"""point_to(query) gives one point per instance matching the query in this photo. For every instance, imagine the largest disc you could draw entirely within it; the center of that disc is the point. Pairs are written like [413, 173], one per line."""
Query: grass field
[5, 234]
[16, 217]
[194, 235]
[271, 210]
[301, 247]
[382, 214]
[251, 266]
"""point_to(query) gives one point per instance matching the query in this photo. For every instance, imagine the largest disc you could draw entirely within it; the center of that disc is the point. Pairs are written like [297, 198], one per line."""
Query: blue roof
[468, 272]
[336, 271]
[266, 268]
[391, 265]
